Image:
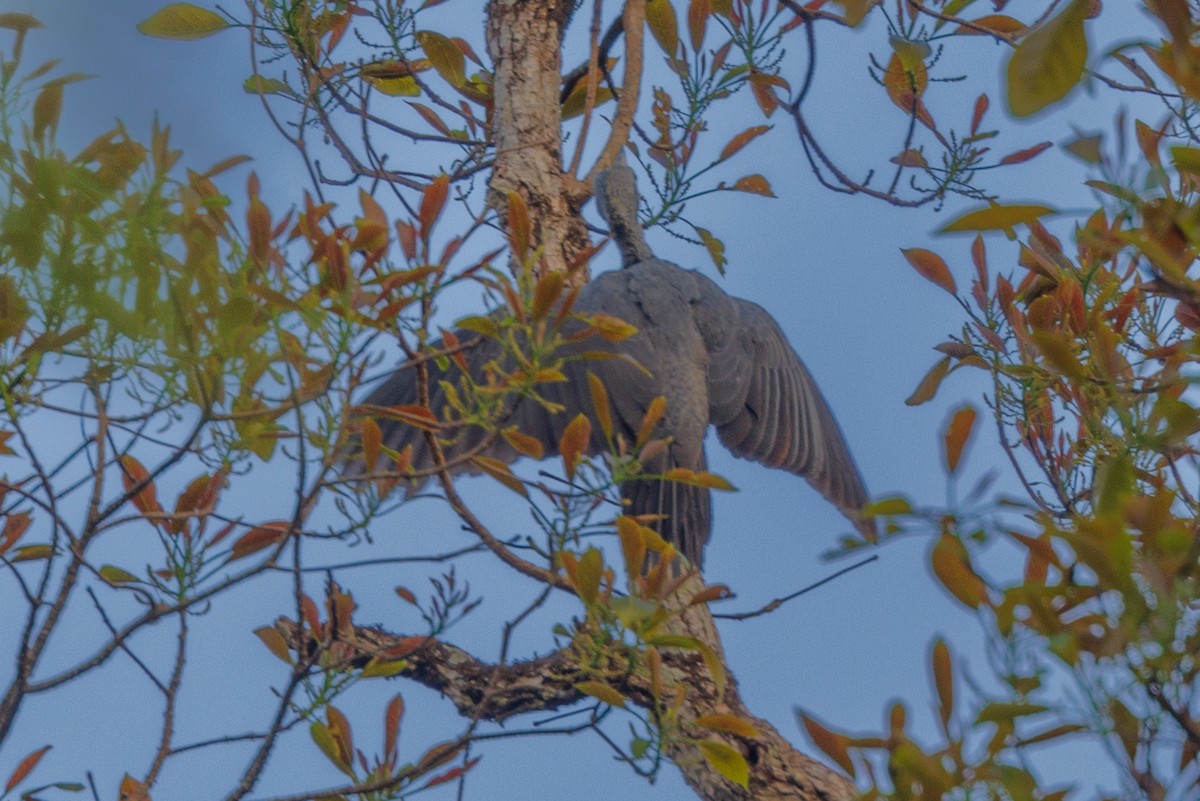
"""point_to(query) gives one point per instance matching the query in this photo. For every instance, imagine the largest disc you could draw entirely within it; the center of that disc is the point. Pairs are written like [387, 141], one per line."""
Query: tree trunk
[524, 39]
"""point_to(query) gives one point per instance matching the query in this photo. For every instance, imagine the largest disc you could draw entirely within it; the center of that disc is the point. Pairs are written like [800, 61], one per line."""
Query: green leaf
[445, 57]
[726, 760]
[258, 85]
[115, 575]
[1048, 63]
[660, 17]
[715, 248]
[183, 21]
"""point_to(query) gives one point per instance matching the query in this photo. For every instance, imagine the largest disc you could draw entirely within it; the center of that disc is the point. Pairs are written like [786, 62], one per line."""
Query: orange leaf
[546, 293]
[411, 413]
[499, 471]
[981, 107]
[275, 642]
[574, 443]
[433, 200]
[995, 23]
[133, 790]
[932, 268]
[134, 474]
[952, 565]
[372, 438]
[958, 432]
[16, 525]
[832, 744]
[259, 537]
[523, 443]
[754, 184]
[26, 765]
[391, 725]
[518, 225]
[929, 384]
[654, 413]
[741, 140]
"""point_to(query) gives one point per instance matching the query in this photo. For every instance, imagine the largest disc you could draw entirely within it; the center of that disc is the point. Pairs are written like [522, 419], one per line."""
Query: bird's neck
[632, 242]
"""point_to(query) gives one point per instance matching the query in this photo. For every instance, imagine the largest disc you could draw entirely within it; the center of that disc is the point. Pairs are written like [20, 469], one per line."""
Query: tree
[189, 346]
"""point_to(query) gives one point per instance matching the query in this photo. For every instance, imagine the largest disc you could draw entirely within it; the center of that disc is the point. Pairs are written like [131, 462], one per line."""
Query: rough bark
[524, 39]
[490, 692]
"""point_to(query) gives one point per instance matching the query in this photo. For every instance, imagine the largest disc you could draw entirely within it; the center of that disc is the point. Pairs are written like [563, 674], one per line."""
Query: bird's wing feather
[401, 388]
[767, 407]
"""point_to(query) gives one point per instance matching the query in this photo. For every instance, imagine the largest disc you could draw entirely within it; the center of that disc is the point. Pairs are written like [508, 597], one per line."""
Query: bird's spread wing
[768, 408]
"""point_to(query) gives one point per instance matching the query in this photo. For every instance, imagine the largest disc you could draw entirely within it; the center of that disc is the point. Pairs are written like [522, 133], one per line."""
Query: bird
[717, 360]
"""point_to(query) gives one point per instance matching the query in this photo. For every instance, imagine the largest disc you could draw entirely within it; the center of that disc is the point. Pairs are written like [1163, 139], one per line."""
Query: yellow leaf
[47, 109]
[115, 575]
[600, 404]
[1048, 62]
[856, 10]
[660, 17]
[633, 544]
[445, 56]
[602, 691]
[14, 21]
[728, 723]
[997, 217]
[726, 760]
[183, 21]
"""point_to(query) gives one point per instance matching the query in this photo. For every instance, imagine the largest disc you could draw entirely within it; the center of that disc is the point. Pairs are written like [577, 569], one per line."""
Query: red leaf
[1026, 154]
[981, 107]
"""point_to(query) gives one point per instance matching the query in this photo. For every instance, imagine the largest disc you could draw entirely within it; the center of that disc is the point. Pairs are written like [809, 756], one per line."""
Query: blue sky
[827, 266]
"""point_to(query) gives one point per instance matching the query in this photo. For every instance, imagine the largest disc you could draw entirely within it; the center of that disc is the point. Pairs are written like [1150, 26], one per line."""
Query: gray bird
[718, 360]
